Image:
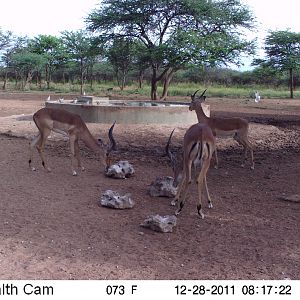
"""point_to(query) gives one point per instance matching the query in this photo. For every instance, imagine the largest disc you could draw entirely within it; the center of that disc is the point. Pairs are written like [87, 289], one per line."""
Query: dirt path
[53, 228]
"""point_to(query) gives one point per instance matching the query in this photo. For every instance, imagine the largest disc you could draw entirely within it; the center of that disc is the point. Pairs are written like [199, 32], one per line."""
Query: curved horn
[168, 151]
[113, 144]
[203, 93]
[195, 94]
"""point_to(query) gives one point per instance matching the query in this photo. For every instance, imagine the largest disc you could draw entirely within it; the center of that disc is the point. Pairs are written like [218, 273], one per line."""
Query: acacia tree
[80, 48]
[51, 48]
[175, 32]
[282, 53]
[6, 40]
[26, 64]
[122, 54]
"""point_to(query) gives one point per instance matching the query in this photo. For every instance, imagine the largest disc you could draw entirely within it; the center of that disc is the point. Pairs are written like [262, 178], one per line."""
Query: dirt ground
[52, 227]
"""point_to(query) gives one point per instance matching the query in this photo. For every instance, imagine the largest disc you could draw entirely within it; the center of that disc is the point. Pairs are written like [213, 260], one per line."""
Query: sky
[34, 17]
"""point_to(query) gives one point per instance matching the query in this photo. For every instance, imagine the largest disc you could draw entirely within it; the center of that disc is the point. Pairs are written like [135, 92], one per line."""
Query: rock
[163, 187]
[120, 170]
[160, 223]
[291, 198]
[112, 199]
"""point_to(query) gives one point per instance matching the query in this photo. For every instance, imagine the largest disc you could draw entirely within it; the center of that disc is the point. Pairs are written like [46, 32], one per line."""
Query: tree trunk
[154, 81]
[123, 81]
[4, 82]
[141, 77]
[81, 77]
[166, 82]
[47, 76]
[291, 83]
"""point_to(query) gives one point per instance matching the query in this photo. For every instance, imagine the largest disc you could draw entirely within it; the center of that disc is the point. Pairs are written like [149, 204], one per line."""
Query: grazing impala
[237, 127]
[198, 148]
[66, 123]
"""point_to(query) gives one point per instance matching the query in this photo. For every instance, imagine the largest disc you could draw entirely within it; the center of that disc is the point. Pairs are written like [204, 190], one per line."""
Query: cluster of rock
[160, 223]
[113, 199]
[160, 187]
[163, 187]
[120, 170]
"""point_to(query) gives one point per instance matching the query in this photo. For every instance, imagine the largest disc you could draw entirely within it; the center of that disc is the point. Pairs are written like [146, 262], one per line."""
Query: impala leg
[243, 140]
[202, 179]
[41, 146]
[182, 190]
[73, 141]
[182, 196]
[250, 148]
[33, 144]
[77, 155]
[216, 159]
[179, 189]
[210, 205]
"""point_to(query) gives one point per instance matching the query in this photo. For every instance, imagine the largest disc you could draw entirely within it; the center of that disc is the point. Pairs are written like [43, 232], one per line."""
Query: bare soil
[52, 227]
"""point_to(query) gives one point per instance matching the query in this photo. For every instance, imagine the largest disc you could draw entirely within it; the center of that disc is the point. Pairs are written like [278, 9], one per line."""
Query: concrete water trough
[103, 110]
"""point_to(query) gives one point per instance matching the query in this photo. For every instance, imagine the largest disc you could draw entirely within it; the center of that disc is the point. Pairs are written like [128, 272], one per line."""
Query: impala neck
[90, 141]
[202, 118]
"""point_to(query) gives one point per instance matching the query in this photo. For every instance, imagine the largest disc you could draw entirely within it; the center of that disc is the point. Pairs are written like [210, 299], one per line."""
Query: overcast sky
[34, 17]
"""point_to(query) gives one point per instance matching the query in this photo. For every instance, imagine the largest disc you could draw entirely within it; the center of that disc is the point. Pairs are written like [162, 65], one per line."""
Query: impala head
[196, 99]
[176, 163]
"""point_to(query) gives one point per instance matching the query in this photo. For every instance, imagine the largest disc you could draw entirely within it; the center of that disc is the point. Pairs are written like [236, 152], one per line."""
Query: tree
[121, 55]
[52, 50]
[17, 45]
[175, 33]
[282, 53]
[81, 48]
[5, 39]
[26, 64]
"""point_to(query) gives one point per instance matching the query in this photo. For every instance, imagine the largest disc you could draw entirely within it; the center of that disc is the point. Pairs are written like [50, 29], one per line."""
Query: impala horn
[203, 93]
[168, 151]
[110, 147]
[193, 96]
[113, 144]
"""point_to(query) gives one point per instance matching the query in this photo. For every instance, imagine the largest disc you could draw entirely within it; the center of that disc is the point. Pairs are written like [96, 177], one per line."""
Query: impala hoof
[210, 205]
[74, 173]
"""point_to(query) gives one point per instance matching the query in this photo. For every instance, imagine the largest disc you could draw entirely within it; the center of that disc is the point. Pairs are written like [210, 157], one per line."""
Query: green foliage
[5, 39]
[282, 53]
[175, 33]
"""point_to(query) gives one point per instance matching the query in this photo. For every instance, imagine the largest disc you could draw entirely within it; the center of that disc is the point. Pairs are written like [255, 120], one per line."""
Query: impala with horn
[198, 148]
[72, 125]
[236, 127]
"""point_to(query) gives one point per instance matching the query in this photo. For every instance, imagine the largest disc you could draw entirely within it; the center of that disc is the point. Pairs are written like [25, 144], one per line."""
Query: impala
[198, 148]
[237, 127]
[72, 125]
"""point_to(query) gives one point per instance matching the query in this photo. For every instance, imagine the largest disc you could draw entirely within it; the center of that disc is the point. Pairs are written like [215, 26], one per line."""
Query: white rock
[113, 199]
[160, 223]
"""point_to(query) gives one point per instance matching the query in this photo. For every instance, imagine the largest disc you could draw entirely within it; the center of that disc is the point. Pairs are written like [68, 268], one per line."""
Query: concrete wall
[131, 114]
